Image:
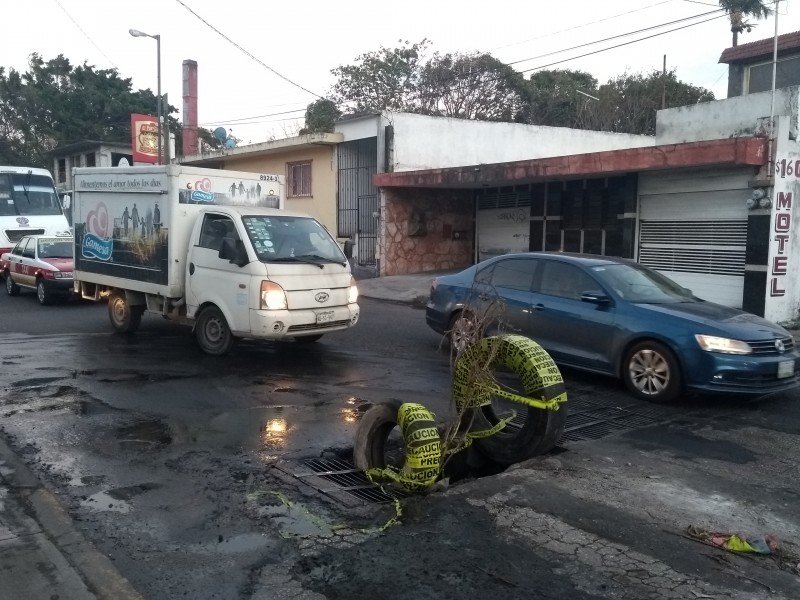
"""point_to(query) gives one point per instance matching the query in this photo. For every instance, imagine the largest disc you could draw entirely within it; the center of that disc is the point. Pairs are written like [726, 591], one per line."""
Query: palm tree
[739, 9]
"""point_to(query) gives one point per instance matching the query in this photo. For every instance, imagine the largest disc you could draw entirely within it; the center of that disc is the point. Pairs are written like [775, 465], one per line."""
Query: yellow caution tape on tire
[423, 450]
[474, 387]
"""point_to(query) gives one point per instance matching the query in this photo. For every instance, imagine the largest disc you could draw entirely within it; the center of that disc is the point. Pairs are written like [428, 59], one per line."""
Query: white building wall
[422, 142]
[742, 116]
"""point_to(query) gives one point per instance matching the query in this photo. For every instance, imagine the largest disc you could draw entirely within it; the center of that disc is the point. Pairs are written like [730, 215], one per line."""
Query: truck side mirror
[234, 251]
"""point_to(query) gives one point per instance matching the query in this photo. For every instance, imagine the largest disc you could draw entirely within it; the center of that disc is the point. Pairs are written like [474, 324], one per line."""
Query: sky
[276, 57]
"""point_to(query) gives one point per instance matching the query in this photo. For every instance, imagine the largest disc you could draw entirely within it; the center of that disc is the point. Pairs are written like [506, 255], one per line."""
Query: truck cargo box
[132, 224]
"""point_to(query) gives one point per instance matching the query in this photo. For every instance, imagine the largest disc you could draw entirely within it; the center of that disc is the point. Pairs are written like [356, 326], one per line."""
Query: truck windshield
[22, 195]
[285, 238]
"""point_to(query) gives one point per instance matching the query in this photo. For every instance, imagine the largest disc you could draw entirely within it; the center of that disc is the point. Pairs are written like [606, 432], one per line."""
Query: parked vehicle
[616, 317]
[210, 248]
[42, 263]
[29, 205]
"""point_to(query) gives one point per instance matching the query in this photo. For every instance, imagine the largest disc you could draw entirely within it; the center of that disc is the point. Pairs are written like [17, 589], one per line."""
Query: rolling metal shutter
[693, 229]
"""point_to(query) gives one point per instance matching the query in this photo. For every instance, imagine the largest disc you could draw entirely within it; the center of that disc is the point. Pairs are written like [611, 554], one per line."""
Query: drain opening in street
[586, 420]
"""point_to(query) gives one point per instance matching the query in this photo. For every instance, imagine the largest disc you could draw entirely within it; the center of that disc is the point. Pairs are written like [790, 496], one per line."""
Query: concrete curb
[94, 568]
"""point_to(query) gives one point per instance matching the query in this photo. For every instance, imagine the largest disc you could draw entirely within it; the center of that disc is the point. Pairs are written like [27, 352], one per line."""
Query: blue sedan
[616, 317]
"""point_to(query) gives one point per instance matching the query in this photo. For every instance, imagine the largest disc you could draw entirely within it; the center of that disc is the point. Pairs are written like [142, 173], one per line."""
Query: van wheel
[212, 332]
[124, 317]
[42, 294]
[11, 287]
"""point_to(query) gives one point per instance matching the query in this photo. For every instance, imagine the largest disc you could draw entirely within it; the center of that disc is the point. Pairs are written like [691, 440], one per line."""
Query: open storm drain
[335, 477]
[340, 480]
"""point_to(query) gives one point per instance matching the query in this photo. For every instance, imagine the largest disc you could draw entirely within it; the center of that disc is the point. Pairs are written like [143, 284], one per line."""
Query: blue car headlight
[712, 343]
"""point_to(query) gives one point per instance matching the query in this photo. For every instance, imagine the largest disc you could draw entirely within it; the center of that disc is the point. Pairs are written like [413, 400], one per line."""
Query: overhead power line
[86, 35]
[243, 120]
[620, 45]
[258, 60]
[624, 14]
[622, 35]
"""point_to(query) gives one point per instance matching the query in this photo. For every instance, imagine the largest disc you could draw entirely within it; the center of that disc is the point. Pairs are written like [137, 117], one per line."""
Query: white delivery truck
[215, 249]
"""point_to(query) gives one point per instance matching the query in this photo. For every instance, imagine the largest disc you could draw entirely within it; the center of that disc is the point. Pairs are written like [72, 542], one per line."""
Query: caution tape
[474, 387]
[423, 450]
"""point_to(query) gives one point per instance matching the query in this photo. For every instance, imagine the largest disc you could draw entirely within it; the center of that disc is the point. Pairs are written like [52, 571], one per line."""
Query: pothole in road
[147, 434]
[129, 492]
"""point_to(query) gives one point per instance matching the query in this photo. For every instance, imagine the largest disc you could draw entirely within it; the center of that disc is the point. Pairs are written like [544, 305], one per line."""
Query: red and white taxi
[40, 262]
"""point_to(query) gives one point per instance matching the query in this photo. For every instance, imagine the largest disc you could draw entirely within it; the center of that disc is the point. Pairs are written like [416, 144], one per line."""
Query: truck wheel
[42, 294]
[124, 317]
[212, 332]
[11, 287]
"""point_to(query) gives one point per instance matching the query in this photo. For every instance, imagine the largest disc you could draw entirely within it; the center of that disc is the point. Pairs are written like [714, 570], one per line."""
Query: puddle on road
[149, 434]
[294, 520]
[131, 491]
[235, 544]
[35, 382]
[103, 502]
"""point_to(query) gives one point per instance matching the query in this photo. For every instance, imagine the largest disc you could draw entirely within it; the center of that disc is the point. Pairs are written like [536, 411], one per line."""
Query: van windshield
[22, 194]
[285, 238]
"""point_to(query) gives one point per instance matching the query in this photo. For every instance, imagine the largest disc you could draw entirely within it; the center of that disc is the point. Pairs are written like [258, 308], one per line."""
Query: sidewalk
[412, 289]
[42, 555]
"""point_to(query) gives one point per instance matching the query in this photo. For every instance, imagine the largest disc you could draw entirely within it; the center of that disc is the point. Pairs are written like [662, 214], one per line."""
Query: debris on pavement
[758, 544]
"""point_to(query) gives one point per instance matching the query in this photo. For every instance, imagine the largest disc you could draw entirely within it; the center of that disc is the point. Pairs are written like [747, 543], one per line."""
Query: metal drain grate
[592, 422]
[346, 478]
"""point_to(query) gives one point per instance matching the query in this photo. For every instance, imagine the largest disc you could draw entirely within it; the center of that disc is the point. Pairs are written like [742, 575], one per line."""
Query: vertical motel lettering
[780, 262]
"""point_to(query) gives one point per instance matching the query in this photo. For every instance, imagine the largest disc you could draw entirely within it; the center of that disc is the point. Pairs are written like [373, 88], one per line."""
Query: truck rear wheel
[212, 332]
[124, 317]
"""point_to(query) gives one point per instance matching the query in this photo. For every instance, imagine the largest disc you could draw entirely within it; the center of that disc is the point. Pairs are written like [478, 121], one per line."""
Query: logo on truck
[96, 242]
[202, 191]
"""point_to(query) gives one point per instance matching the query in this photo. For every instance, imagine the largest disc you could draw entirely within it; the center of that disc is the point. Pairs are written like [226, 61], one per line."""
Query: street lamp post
[157, 38]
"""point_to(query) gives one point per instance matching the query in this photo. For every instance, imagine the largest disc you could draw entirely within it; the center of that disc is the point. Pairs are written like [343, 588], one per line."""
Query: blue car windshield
[639, 284]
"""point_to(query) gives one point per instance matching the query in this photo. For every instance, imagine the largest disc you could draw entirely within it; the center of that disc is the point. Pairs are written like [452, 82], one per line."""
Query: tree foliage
[466, 86]
[55, 103]
[739, 9]
[320, 117]
[555, 97]
[386, 79]
[629, 102]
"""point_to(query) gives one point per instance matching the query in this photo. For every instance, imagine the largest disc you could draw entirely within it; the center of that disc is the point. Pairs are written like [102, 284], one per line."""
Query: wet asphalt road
[163, 454]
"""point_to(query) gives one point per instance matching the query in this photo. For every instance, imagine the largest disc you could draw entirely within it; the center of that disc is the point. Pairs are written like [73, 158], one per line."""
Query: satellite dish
[221, 134]
[230, 143]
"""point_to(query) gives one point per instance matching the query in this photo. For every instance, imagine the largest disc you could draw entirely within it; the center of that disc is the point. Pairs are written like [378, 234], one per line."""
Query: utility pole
[664, 84]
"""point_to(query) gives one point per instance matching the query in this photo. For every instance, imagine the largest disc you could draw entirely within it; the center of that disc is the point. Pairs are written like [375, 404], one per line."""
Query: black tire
[369, 444]
[124, 317]
[651, 372]
[308, 339]
[42, 294]
[534, 431]
[213, 333]
[11, 288]
[462, 330]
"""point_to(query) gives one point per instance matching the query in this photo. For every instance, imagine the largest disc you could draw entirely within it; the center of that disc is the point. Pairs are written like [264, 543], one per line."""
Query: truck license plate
[327, 316]
[785, 369]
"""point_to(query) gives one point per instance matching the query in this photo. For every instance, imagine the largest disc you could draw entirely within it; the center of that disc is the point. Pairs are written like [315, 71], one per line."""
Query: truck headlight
[352, 294]
[711, 343]
[272, 296]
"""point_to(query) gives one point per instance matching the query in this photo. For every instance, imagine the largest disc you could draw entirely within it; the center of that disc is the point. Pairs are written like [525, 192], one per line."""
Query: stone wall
[427, 230]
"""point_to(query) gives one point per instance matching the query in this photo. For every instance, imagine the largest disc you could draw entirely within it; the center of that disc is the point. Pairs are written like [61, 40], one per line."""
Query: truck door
[216, 280]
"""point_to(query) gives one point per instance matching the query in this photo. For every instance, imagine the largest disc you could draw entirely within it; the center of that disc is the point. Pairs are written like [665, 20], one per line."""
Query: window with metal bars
[299, 179]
